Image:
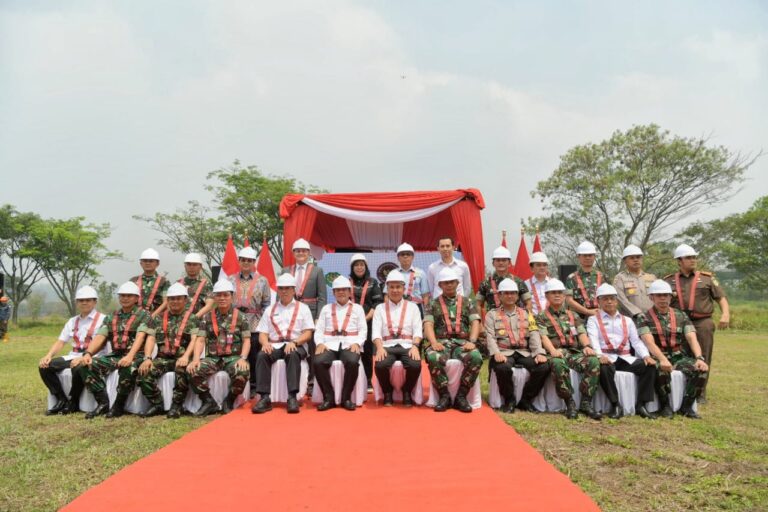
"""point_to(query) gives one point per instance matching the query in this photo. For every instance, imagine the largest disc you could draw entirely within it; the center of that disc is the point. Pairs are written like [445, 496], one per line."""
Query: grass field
[718, 463]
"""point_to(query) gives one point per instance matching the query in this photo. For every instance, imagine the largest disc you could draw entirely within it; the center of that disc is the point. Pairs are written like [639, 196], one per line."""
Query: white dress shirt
[616, 334]
[68, 333]
[282, 317]
[461, 268]
[411, 327]
[357, 324]
[539, 286]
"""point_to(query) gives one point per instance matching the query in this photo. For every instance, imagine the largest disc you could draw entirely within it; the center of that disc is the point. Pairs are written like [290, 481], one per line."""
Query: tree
[22, 270]
[35, 304]
[106, 292]
[631, 188]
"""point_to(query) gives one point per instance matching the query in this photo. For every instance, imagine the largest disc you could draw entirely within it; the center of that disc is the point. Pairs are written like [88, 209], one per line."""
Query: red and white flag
[229, 264]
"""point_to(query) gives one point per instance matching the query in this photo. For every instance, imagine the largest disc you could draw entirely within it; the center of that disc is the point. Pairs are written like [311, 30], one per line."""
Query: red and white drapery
[383, 220]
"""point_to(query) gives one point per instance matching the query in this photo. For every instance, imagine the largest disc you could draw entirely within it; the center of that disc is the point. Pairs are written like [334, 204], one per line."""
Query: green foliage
[21, 271]
[106, 292]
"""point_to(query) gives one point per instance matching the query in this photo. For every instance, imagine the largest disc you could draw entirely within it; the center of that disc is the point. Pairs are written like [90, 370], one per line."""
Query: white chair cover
[453, 368]
[519, 377]
[359, 392]
[397, 379]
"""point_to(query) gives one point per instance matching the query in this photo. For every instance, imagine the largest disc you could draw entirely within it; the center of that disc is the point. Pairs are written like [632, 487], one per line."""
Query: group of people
[195, 328]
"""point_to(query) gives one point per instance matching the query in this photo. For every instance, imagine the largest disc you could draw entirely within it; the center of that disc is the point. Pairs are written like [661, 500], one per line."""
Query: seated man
[79, 330]
[452, 326]
[611, 335]
[284, 332]
[397, 333]
[174, 332]
[513, 339]
[126, 328]
[671, 337]
[566, 341]
[339, 335]
[225, 336]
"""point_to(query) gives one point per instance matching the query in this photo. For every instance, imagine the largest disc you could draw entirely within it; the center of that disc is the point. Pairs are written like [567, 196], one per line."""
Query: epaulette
[708, 274]
[669, 275]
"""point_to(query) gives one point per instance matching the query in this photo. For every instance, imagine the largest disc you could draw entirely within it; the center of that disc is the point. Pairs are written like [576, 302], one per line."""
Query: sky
[112, 109]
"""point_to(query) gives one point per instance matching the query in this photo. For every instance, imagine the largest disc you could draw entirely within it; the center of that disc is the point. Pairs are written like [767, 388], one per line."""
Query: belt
[250, 311]
[340, 333]
[281, 341]
[387, 338]
[698, 316]
[305, 301]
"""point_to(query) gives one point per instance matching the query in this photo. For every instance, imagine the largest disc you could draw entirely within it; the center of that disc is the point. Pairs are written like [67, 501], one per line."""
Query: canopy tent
[383, 220]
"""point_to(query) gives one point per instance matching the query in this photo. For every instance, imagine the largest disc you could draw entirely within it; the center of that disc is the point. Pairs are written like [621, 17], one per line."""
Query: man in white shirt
[611, 335]
[284, 331]
[79, 330]
[538, 282]
[340, 334]
[397, 333]
[446, 247]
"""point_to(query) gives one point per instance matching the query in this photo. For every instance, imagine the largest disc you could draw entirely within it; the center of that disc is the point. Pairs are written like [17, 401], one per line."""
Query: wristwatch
[701, 358]
[244, 358]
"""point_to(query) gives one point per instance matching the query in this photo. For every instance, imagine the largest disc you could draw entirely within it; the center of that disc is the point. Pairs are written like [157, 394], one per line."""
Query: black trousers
[50, 377]
[646, 374]
[252, 353]
[506, 383]
[322, 364]
[368, 349]
[412, 369]
[264, 363]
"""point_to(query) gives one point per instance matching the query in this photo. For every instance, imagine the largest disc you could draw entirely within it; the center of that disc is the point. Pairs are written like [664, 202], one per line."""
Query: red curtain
[423, 234]
[469, 235]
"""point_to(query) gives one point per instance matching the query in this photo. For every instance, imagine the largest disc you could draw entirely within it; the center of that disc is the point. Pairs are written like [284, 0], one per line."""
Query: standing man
[416, 285]
[488, 292]
[513, 339]
[284, 333]
[446, 247]
[226, 338]
[79, 330]
[632, 284]
[340, 334]
[582, 284]
[397, 334]
[198, 286]
[5, 314]
[126, 329]
[452, 328]
[565, 339]
[174, 333]
[538, 282]
[152, 286]
[611, 335]
[695, 293]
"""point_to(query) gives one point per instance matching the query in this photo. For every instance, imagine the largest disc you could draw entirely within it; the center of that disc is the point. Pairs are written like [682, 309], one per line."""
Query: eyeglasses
[247, 259]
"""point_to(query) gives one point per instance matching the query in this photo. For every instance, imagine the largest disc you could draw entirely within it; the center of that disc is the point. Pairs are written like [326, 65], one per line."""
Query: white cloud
[742, 54]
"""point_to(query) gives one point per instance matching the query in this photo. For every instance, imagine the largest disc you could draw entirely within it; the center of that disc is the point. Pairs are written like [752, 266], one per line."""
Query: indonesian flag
[264, 265]
[522, 263]
[246, 243]
[503, 238]
[229, 264]
[537, 243]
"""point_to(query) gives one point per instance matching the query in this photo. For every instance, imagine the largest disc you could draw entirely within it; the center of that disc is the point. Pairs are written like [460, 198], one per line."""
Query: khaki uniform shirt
[633, 292]
[708, 290]
[496, 334]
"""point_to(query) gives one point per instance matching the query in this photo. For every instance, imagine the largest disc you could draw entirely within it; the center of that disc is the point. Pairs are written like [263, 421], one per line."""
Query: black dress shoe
[57, 408]
[570, 410]
[443, 403]
[292, 405]
[525, 405]
[349, 405]
[508, 406]
[586, 408]
[461, 404]
[325, 405]
[388, 400]
[71, 407]
[407, 400]
[643, 412]
[617, 411]
[262, 406]
[154, 410]
[174, 412]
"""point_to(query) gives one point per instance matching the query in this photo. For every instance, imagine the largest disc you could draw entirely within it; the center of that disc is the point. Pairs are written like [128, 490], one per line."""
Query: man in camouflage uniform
[225, 335]
[487, 292]
[632, 284]
[199, 287]
[126, 329]
[152, 286]
[663, 330]
[565, 339]
[173, 331]
[513, 339]
[452, 328]
[582, 285]
[6, 308]
[695, 293]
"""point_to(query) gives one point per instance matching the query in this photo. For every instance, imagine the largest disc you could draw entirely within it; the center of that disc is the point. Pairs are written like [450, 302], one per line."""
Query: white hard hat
[395, 277]
[605, 290]
[357, 257]
[405, 248]
[502, 253]
[659, 287]
[586, 248]
[300, 244]
[222, 285]
[178, 290]
[247, 252]
[128, 288]
[86, 292]
[150, 254]
[508, 285]
[631, 250]
[539, 257]
[684, 250]
[193, 257]
[341, 283]
[447, 274]
[554, 285]
[286, 280]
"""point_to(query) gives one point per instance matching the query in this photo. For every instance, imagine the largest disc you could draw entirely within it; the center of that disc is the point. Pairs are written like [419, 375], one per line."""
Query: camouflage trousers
[695, 381]
[212, 364]
[587, 366]
[102, 366]
[3, 327]
[436, 361]
[160, 366]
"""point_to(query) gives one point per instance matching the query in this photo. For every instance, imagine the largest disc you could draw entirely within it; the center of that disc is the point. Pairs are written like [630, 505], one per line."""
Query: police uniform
[632, 291]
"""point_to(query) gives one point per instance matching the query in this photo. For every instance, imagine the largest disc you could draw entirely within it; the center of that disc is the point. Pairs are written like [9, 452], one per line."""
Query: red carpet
[375, 458]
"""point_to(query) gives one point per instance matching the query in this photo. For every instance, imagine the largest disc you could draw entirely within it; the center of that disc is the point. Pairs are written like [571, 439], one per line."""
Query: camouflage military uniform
[452, 343]
[223, 351]
[591, 281]
[493, 300]
[146, 286]
[168, 354]
[121, 341]
[193, 285]
[573, 356]
[5, 315]
[677, 351]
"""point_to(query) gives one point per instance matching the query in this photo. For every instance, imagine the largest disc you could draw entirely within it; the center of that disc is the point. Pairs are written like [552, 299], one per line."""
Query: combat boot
[118, 408]
[616, 412]
[443, 403]
[228, 405]
[586, 408]
[61, 404]
[570, 410]
[208, 406]
[154, 410]
[174, 412]
[687, 409]
[666, 409]
[461, 403]
[72, 407]
[526, 405]
[102, 405]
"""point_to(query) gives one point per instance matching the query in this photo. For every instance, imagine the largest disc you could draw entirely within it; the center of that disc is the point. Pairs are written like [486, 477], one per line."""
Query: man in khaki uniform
[632, 284]
[695, 292]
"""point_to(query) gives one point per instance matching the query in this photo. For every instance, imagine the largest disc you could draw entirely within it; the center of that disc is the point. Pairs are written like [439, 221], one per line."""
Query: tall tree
[21, 270]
